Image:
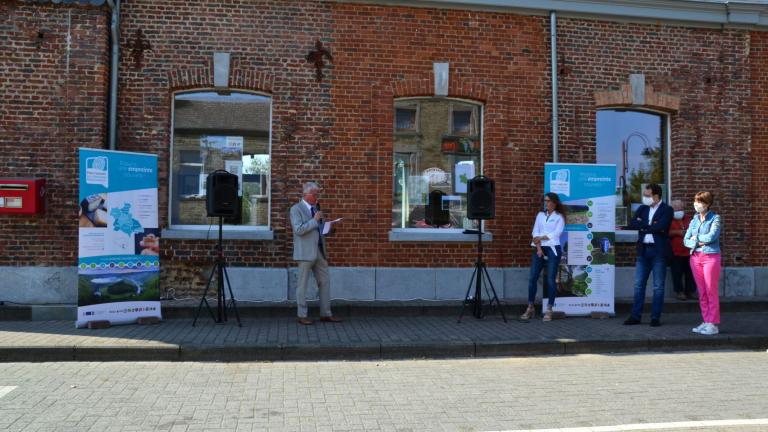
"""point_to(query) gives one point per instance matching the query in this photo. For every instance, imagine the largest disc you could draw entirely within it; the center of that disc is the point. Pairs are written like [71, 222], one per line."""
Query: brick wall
[53, 99]
[708, 70]
[758, 246]
[339, 132]
[383, 53]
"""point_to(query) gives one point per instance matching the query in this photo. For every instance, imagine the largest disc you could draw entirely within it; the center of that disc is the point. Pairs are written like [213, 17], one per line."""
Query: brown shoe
[330, 319]
[304, 321]
[680, 296]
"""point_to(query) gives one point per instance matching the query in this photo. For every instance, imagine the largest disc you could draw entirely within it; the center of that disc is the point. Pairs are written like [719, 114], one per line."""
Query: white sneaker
[709, 330]
[699, 328]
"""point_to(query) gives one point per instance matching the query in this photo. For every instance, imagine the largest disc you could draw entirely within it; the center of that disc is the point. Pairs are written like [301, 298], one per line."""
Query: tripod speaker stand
[478, 276]
[220, 270]
[221, 200]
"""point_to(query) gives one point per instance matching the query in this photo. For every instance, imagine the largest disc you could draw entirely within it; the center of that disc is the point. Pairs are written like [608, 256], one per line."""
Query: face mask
[679, 214]
[700, 208]
[647, 200]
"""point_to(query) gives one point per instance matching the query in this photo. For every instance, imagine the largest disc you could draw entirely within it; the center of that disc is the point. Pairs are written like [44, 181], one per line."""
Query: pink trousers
[706, 273]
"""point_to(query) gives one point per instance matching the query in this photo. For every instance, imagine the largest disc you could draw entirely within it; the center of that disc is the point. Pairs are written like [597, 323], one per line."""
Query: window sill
[435, 235]
[213, 234]
[626, 236]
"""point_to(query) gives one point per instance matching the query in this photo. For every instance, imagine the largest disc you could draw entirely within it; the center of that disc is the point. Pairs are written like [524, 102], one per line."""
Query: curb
[511, 307]
[375, 351]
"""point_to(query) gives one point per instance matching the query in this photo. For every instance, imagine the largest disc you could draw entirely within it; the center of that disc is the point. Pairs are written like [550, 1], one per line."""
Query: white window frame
[630, 236]
[441, 234]
[185, 231]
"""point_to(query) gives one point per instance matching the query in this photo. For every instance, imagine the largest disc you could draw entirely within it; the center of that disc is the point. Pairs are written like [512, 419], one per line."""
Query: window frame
[416, 130]
[441, 234]
[204, 231]
[627, 235]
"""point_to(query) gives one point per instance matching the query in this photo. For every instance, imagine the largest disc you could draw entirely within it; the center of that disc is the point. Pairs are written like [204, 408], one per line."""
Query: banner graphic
[585, 280]
[119, 239]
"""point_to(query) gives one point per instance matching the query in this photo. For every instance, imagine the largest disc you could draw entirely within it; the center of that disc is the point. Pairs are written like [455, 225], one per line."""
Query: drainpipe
[553, 60]
[113, 72]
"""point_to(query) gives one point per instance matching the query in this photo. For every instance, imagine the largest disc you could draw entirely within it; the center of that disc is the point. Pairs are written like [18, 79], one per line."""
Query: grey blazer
[305, 233]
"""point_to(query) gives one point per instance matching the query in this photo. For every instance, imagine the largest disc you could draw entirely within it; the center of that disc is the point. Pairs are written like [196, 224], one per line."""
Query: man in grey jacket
[309, 251]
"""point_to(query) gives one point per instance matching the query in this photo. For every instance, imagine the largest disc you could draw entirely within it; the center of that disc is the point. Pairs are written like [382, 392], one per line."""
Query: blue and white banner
[119, 240]
[586, 278]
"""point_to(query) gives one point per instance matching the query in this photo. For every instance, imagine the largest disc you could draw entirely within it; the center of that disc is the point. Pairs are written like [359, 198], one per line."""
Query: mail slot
[22, 195]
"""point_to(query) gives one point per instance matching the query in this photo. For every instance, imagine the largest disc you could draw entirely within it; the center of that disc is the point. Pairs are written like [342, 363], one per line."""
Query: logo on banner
[97, 171]
[560, 182]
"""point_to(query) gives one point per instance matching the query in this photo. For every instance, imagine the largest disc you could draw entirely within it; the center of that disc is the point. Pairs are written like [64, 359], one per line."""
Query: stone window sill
[435, 235]
[213, 234]
[626, 236]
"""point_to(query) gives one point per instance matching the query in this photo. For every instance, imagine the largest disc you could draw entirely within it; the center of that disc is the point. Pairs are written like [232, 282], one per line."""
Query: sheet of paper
[327, 225]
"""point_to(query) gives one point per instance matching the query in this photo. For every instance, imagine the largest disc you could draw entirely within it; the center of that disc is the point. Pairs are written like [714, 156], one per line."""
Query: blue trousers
[650, 260]
[537, 264]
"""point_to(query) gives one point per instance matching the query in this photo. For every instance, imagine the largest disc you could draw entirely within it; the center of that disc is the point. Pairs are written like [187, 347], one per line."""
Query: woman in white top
[546, 241]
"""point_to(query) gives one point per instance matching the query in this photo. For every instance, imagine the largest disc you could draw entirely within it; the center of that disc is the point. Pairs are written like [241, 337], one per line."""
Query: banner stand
[586, 277]
[119, 239]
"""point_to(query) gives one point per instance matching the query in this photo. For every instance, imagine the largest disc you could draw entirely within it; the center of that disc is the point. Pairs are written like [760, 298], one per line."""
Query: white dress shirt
[648, 239]
[551, 226]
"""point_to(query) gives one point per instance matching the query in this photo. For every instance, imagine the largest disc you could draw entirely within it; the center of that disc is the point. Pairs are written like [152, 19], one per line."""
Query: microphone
[317, 208]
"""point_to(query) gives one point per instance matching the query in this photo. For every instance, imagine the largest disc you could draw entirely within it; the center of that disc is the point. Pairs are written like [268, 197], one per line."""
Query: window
[407, 118]
[213, 131]
[431, 168]
[636, 142]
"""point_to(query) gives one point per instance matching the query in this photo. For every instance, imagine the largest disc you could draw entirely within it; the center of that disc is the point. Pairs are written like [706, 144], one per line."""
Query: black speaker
[481, 198]
[221, 194]
[435, 214]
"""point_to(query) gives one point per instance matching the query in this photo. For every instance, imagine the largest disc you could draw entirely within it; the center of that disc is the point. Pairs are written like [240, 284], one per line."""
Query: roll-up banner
[119, 240]
[586, 278]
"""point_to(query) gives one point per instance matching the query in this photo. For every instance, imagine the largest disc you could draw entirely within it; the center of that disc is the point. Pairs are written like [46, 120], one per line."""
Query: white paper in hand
[327, 225]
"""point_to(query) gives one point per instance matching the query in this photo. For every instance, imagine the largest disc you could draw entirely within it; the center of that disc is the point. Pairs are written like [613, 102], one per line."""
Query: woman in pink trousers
[703, 238]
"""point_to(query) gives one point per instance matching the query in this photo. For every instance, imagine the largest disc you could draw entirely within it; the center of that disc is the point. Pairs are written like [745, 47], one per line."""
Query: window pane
[405, 119]
[213, 132]
[439, 158]
[633, 141]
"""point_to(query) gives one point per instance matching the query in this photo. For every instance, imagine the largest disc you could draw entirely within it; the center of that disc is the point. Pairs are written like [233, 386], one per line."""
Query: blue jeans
[537, 264]
[649, 260]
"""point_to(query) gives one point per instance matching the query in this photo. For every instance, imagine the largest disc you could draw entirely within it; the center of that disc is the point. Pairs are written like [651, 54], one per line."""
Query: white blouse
[550, 226]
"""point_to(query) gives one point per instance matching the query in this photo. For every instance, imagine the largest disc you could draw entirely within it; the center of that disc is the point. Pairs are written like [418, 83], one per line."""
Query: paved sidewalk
[281, 338]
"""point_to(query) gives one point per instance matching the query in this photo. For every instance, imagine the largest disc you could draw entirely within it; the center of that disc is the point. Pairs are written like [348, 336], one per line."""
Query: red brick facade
[53, 100]
[710, 134]
[758, 146]
[339, 132]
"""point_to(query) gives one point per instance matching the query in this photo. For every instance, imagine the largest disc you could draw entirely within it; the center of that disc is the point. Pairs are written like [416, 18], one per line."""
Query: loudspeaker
[481, 198]
[435, 215]
[221, 194]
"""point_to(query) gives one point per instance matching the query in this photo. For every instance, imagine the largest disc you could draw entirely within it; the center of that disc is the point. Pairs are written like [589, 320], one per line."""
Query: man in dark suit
[651, 220]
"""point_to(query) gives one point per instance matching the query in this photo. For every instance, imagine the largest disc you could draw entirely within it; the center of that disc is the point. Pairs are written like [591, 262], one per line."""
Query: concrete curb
[375, 351]
[512, 308]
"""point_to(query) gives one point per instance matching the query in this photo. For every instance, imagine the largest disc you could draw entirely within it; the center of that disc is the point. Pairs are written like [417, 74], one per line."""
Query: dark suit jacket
[658, 227]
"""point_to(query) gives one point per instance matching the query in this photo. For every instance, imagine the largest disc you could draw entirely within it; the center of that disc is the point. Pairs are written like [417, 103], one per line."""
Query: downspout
[113, 72]
[553, 60]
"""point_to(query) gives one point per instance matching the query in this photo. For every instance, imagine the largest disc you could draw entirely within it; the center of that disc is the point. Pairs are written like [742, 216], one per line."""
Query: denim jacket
[707, 232]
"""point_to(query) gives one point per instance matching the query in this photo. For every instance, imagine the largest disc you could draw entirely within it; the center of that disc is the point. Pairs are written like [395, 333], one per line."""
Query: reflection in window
[632, 140]
[443, 156]
[406, 118]
[229, 132]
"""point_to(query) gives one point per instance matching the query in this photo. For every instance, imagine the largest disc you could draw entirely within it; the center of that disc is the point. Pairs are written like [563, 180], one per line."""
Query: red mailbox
[22, 196]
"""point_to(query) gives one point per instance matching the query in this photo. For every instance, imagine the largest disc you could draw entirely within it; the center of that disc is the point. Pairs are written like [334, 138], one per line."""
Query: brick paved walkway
[281, 338]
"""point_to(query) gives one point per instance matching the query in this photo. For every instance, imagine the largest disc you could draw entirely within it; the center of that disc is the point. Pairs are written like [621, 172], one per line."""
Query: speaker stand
[478, 275]
[220, 270]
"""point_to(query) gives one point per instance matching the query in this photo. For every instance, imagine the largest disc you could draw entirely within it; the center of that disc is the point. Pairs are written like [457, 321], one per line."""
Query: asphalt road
[487, 394]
